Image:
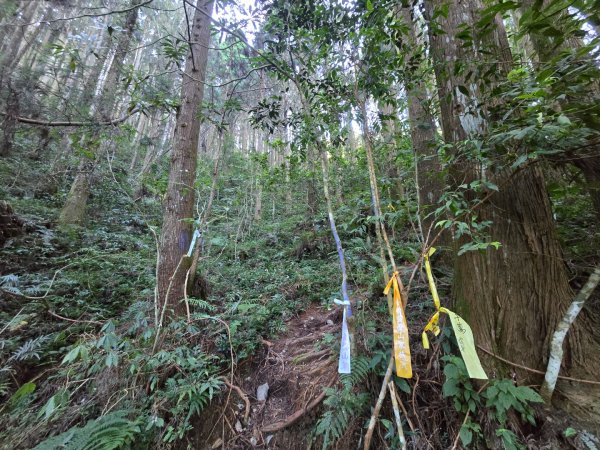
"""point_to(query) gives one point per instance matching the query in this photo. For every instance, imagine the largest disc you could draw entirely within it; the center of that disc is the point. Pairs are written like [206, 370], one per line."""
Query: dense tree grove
[299, 224]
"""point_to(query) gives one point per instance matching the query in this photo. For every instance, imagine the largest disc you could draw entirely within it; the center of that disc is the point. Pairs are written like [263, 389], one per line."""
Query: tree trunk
[106, 88]
[9, 124]
[73, 211]
[28, 41]
[512, 297]
[7, 56]
[429, 175]
[396, 188]
[110, 88]
[260, 148]
[12, 48]
[8, 13]
[176, 231]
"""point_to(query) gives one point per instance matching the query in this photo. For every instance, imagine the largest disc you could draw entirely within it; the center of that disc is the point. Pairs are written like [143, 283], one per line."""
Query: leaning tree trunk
[176, 230]
[512, 297]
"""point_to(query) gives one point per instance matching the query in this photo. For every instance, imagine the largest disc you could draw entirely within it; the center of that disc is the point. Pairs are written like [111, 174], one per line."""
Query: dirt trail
[297, 371]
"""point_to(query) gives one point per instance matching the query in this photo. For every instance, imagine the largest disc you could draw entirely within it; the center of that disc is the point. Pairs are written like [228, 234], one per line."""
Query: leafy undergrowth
[82, 366]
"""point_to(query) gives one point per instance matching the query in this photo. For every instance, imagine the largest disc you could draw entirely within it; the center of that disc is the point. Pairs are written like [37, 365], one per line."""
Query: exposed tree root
[298, 414]
[243, 396]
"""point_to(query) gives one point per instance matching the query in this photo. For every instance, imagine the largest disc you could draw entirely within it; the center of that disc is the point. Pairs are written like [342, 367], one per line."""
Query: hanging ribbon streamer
[195, 236]
[401, 342]
[462, 330]
[344, 362]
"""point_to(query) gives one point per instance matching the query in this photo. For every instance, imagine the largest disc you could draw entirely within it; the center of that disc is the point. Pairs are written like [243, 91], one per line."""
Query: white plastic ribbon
[195, 236]
[344, 361]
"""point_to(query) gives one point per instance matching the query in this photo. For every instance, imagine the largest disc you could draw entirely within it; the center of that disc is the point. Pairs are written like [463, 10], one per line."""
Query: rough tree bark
[512, 297]
[179, 203]
[422, 126]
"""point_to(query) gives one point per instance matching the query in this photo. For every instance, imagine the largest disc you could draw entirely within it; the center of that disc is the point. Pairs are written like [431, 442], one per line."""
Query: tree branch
[44, 123]
[556, 345]
[116, 11]
[271, 61]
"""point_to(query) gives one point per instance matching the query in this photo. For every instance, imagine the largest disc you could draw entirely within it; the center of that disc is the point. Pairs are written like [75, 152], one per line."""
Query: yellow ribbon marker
[401, 342]
[462, 330]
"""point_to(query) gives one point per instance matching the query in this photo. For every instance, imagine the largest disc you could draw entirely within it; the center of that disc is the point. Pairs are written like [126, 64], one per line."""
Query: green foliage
[458, 385]
[109, 432]
[175, 50]
[467, 431]
[509, 439]
[361, 367]
[55, 405]
[342, 407]
[257, 282]
[29, 350]
[25, 390]
[503, 395]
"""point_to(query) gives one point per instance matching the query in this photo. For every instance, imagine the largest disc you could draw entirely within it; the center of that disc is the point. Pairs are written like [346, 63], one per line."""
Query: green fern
[343, 406]
[361, 367]
[10, 283]
[109, 432]
[29, 350]
[202, 305]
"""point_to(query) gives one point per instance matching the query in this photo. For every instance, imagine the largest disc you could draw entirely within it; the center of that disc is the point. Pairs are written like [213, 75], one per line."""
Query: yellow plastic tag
[401, 341]
[466, 345]
[462, 330]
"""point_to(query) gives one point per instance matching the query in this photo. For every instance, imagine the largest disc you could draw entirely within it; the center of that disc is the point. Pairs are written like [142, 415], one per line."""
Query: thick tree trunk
[512, 297]
[176, 231]
[423, 134]
[589, 165]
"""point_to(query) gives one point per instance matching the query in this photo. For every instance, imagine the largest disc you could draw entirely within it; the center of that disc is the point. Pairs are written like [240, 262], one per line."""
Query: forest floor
[279, 389]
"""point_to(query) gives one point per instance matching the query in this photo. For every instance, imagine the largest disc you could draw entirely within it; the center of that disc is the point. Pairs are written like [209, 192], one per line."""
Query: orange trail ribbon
[462, 330]
[401, 342]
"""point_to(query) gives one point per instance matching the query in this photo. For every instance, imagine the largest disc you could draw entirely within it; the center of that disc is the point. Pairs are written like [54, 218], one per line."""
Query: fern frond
[10, 283]
[109, 432]
[202, 305]
[9, 280]
[361, 368]
[4, 387]
[29, 350]
[343, 407]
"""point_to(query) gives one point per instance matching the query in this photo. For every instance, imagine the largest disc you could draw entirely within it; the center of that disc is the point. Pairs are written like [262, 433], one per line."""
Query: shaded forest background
[192, 192]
